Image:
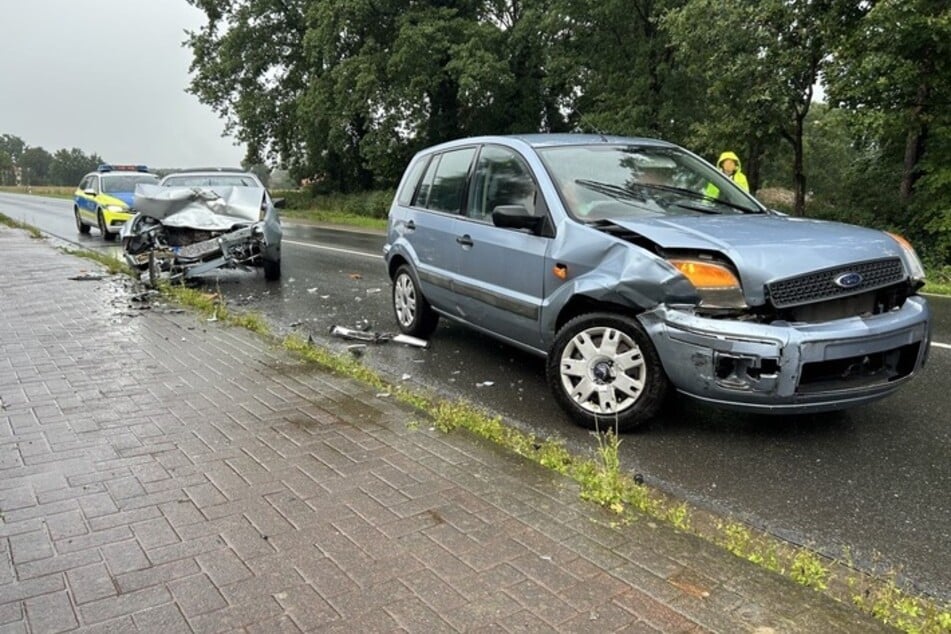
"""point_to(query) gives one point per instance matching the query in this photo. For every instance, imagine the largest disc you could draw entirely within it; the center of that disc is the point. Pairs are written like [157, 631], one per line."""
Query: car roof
[541, 139]
[210, 170]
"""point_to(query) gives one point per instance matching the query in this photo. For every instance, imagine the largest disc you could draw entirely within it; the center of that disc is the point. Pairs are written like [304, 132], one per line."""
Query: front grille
[821, 285]
[859, 372]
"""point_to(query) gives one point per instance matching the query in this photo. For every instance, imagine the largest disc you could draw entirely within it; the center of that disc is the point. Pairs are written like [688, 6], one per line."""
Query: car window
[125, 182]
[448, 184]
[86, 183]
[409, 186]
[211, 180]
[500, 178]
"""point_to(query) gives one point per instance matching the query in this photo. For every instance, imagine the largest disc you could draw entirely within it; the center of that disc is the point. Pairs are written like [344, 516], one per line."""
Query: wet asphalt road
[873, 481]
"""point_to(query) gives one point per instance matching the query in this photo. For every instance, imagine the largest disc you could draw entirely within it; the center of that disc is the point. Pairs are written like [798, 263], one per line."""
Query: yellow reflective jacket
[738, 176]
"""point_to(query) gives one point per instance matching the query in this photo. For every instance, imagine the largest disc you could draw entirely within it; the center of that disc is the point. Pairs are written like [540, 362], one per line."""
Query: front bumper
[790, 369]
[115, 219]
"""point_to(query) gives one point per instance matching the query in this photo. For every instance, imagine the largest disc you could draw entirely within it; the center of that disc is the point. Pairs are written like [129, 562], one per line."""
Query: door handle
[465, 240]
[411, 226]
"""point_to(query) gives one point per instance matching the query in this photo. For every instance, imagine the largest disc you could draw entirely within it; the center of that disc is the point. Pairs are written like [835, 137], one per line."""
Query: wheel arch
[581, 304]
[395, 263]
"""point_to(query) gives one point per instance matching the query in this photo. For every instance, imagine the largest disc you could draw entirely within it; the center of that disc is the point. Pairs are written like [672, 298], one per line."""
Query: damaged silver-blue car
[608, 256]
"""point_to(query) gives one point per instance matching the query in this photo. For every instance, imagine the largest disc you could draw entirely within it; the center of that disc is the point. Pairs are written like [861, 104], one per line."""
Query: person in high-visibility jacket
[729, 164]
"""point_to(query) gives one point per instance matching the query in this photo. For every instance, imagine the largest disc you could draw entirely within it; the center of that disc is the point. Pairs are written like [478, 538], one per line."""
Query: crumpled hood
[768, 248]
[201, 208]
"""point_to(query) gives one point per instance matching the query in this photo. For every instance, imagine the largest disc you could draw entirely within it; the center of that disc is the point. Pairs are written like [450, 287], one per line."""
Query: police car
[104, 197]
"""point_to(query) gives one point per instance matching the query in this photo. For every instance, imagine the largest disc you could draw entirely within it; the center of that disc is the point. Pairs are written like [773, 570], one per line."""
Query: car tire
[272, 269]
[414, 315]
[101, 221]
[81, 227]
[582, 371]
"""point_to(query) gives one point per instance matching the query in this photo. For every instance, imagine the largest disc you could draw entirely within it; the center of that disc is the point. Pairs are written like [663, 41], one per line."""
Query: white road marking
[311, 245]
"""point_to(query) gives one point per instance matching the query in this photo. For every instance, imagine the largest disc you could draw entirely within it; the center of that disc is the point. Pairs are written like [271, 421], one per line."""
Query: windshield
[619, 181]
[211, 180]
[125, 182]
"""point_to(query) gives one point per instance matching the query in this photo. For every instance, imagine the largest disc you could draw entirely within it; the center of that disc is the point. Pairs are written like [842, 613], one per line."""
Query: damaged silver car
[182, 232]
[609, 256]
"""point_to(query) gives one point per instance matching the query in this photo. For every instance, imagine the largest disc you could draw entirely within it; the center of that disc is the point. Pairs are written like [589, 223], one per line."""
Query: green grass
[333, 217]
[41, 190]
[16, 224]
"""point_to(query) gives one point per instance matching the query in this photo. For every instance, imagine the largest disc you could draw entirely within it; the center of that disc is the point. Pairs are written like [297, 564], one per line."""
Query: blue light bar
[106, 167]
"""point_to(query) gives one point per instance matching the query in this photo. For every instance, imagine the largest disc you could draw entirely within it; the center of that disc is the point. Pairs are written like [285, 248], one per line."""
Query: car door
[430, 226]
[87, 200]
[501, 285]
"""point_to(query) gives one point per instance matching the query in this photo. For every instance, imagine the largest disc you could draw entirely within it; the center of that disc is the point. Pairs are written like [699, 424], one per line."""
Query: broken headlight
[915, 269]
[716, 284]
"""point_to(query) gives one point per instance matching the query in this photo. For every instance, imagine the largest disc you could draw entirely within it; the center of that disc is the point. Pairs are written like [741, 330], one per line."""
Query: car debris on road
[376, 337]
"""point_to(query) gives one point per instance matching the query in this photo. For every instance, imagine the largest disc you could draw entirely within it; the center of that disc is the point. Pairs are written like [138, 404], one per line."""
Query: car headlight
[115, 208]
[717, 286]
[915, 268]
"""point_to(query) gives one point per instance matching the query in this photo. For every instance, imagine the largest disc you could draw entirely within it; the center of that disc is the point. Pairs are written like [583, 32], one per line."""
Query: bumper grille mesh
[819, 286]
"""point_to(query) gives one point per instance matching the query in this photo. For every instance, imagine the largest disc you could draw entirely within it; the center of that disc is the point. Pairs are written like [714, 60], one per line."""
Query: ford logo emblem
[848, 280]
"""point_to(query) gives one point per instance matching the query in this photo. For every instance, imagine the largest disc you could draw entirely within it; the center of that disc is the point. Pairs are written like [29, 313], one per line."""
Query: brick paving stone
[224, 485]
[196, 595]
[50, 612]
[90, 583]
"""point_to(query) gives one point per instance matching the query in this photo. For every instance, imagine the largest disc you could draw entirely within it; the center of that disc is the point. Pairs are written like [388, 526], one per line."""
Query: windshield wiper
[615, 191]
[689, 193]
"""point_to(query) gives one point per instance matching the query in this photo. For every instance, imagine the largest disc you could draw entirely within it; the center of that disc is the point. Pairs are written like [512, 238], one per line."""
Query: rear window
[211, 180]
[444, 184]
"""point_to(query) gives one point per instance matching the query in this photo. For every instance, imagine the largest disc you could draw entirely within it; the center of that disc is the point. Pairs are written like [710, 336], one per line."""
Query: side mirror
[515, 217]
[279, 203]
[89, 192]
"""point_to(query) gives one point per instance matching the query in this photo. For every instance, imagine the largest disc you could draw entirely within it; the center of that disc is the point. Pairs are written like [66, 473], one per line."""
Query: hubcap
[404, 300]
[602, 370]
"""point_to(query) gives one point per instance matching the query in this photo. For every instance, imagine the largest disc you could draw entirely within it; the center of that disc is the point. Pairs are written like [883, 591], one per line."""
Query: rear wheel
[413, 313]
[81, 227]
[604, 371]
[108, 237]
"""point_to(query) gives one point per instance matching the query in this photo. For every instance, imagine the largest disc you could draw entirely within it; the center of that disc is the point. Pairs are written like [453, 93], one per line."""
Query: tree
[619, 68]
[69, 166]
[35, 163]
[11, 147]
[759, 65]
[895, 71]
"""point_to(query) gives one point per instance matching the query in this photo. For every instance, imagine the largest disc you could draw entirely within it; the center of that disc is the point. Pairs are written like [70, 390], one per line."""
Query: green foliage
[69, 166]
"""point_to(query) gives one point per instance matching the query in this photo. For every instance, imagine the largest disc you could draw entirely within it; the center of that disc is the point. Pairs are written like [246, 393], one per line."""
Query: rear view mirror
[279, 203]
[515, 217]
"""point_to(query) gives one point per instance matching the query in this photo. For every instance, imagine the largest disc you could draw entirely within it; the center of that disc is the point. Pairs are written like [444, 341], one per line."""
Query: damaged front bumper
[790, 368]
[242, 246]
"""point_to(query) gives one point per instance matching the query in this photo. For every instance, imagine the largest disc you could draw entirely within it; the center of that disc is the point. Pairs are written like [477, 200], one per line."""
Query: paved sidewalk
[162, 473]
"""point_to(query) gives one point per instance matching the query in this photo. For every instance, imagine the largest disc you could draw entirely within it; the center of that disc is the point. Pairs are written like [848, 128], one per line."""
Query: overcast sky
[107, 77]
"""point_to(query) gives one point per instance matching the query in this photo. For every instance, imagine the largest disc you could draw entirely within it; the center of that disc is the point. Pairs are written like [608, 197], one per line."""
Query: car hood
[202, 208]
[768, 248]
[125, 197]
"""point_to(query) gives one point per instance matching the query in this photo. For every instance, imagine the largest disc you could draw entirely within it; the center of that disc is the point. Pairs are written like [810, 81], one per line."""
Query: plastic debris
[485, 384]
[406, 377]
[376, 337]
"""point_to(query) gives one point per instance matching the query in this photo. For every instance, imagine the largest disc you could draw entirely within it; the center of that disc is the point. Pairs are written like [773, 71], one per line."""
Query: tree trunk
[914, 144]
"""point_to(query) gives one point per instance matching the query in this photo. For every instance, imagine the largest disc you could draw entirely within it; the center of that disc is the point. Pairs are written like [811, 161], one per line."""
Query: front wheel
[108, 237]
[604, 371]
[272, 269]
[413, 313]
